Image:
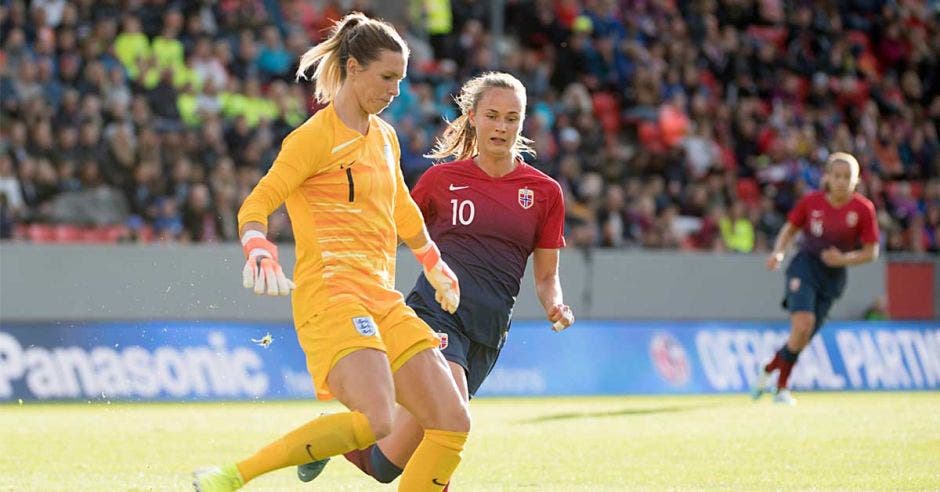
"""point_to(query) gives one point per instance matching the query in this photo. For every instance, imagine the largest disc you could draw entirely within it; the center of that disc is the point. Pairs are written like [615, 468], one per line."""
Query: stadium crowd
[669, 124]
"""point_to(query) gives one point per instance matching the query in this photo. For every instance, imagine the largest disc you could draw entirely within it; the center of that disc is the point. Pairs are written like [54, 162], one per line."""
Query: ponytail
[355, 35]
[459, 141]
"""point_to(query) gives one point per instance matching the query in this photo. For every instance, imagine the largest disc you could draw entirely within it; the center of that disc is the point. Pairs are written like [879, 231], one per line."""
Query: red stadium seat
[41, 233]
[95, 235]
[67, 233]
[115, 233]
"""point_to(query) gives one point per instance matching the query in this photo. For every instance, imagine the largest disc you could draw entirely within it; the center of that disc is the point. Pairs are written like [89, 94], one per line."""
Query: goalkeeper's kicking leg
[363, 382]
[385, 460]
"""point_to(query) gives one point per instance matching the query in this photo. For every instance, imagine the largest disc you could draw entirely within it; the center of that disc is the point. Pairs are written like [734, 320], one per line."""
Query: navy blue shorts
[476, 359]
[812, 286]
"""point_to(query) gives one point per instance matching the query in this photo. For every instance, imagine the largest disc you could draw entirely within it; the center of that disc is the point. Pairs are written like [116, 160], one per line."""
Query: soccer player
[340, 178]
[840, 229]
[488, 211]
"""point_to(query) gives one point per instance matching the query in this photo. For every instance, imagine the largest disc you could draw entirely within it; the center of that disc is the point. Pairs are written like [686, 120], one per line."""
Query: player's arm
[867, 253]
[441, 277]
[781, 245]
[795, 221]
[868, 234]
[263, 272]
[411, 229]
[548, 288]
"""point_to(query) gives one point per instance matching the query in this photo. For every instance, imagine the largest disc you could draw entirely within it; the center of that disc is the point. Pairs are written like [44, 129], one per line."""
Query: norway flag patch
[443, 337]
[526, 198]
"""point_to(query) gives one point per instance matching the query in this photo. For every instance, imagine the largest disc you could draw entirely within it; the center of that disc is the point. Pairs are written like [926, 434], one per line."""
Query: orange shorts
[342, 329]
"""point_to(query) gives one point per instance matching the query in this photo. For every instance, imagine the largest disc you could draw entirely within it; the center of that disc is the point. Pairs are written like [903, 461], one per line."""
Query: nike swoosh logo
[435, 482]
[455, 188]
[314, 458]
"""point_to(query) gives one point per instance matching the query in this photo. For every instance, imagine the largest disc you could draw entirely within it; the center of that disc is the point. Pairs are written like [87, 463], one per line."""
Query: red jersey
[825, 225]
[486, 229]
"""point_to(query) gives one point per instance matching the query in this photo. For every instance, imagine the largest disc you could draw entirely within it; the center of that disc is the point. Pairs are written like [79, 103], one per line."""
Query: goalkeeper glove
[441, 277]
[262, 272]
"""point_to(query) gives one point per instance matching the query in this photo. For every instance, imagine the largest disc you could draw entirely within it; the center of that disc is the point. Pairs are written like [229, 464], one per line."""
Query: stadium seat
[115, 233]
[41, 233]
[67, 233]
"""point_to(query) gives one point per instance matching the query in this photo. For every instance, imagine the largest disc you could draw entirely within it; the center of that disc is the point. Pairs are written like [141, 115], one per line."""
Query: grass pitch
[845, 441]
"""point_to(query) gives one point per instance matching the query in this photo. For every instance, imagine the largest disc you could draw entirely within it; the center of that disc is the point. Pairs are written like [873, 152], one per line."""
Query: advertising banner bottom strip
[229, 361]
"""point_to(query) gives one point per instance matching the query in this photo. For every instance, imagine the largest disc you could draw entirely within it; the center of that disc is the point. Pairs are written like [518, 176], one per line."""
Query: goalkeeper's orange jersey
[348, 203]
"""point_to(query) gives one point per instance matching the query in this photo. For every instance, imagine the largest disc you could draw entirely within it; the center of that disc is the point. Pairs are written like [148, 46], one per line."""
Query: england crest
[443, 337]
[364, 325]
[526, 198]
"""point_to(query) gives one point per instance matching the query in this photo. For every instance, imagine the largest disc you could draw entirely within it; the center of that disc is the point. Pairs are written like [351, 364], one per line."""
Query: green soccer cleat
[218, 479]
[760, 386]
[308, 471]
[784, 397]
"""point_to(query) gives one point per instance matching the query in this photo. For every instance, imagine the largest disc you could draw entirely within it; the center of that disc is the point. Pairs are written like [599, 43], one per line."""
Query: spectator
[736, 230]
[654, 123]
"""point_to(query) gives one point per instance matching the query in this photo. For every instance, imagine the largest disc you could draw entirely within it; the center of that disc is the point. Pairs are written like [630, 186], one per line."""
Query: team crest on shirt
[443, 337]
[851, 219]
[526, 198]
[364, 325]
[794, 284]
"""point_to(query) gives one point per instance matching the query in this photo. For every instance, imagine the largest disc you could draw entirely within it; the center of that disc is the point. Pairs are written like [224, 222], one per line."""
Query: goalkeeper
[339, 176]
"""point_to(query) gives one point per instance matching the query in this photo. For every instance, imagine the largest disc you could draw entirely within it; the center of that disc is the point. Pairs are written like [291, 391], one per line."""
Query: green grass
[846, 441]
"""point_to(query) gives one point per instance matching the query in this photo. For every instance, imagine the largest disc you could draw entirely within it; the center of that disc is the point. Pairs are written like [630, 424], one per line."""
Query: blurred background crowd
[670, 124]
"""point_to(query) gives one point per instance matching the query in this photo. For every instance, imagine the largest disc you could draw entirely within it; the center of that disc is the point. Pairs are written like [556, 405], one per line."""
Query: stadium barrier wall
[203, 282]
[178, 360]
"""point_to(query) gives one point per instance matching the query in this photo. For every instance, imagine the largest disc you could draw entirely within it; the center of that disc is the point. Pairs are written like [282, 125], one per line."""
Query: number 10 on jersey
[461, 210]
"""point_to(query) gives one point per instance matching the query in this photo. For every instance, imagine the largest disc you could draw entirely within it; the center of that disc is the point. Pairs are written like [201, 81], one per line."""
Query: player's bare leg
[385, 460]
[362, 381]
[426, 388]
[345, 380]
[407, 432]
[802, 327]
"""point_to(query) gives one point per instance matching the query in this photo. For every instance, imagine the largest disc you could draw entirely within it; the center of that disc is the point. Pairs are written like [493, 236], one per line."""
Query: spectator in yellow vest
[736, 230]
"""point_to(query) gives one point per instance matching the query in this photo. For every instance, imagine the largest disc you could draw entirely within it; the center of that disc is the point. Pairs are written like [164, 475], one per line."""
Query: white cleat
[760, 386]
[784, 397]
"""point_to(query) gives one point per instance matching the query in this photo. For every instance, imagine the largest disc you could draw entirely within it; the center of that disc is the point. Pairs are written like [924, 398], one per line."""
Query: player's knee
[451, 416]
[380, 421]
[456, 419]
[804, 324]
[462, 422]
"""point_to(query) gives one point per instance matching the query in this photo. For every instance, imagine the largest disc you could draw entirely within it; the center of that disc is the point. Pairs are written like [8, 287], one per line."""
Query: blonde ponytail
[459, 141]
[355, 35]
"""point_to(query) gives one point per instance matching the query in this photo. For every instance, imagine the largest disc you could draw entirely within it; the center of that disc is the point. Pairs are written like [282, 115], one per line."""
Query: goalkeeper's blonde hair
[356, 36]
[459, 139]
